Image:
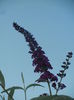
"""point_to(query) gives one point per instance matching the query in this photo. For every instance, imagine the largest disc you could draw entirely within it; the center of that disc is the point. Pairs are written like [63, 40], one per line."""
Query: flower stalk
[50, 92]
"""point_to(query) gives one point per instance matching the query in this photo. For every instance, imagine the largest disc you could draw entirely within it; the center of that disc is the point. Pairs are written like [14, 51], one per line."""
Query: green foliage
[29, 86]
[2, 80]
[11, 91]
[13, 88]
[2, 97]
[33, 85]
[59, 97]
[2, 84]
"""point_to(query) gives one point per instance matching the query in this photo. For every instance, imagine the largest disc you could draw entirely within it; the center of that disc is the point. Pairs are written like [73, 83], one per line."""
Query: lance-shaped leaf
[2, 80]
[14, 88]
[22, 77]
[33, 85]
[3, 98]
[11, 93]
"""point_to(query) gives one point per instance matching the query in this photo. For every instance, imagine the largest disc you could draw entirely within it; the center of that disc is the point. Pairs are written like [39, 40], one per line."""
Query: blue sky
[52, 24]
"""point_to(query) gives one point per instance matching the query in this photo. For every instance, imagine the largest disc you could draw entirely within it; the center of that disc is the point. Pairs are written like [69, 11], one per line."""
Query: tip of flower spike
[18, 28]
[15, 25]
[69, 55]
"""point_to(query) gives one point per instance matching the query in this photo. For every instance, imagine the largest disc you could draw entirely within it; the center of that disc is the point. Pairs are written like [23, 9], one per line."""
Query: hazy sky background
[52, 24]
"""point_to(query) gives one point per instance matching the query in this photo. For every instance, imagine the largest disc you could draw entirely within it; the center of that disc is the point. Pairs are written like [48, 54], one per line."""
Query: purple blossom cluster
[29, 38]
[47, 75]
[40, 60]
[59, 85]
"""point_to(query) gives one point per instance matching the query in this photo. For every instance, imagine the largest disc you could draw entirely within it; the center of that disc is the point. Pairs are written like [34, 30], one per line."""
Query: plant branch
[49, 87]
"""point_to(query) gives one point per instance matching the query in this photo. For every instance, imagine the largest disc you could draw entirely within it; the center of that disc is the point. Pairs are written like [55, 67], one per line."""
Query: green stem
[61, 79]
[49, 87]
[58, 87]
[25, 91]
[24, 86]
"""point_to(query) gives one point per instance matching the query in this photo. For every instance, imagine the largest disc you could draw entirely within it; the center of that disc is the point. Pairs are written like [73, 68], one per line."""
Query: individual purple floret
[54, 85]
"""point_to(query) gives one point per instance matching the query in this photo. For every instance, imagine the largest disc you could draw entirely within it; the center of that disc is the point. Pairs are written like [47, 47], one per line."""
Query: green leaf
[22, 77]
[11, 93]
[14, 88]
[3, 98]
[2, 80]
[33, 85]
[54, 97]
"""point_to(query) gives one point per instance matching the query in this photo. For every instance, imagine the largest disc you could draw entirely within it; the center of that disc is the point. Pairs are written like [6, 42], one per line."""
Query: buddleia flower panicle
[59, 85]
[40, 60]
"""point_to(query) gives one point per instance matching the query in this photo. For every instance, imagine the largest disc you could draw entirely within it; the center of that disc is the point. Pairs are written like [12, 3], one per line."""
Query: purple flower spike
[40, 61]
